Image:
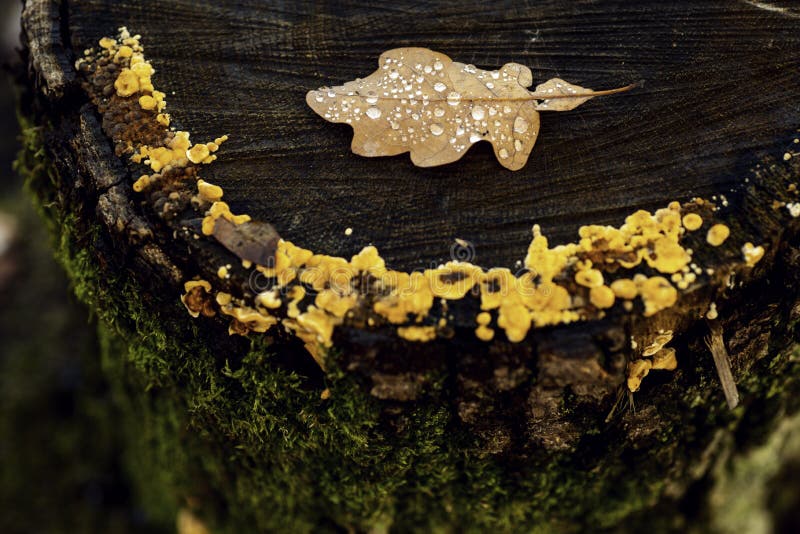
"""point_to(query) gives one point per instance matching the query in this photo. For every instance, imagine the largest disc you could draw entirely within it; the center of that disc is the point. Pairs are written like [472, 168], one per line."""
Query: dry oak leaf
[421, 101]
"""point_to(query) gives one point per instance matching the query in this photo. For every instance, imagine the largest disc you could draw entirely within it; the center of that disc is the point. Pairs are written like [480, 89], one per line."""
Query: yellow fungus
[368, 261]
[665, 359]
[269, 299]
[657, 294]
[280, 267]
[315, 321]
[547, 263]
[515, 319]
[209, 192]
[123, 52]
[197, 298]
[108, 43]
[334, 303]
[251, 318]
[417, 333]
[163, 119]
[658, 343]
[483, 318]
[188, 286]
[409, 295]
[453, 280]
[180, 142]
[245, 318]
[296, 294]
[601, 297]
[142, 183]
[589, 278]
[495, 285]
[222, 272]
[692, 221]
[322, 271]
[297, 256]
[624, 288]
[147, 102]
[142, 69]
[670, 257]
[752, 254]
[484, 333]
[637, 370]
[717, 235]
[669, 222]
[127, 83]
[197, 153]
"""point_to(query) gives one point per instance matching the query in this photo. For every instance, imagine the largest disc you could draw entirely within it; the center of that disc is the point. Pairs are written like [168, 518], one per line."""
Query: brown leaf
[557, 86]
[420, 101]
[251, 241]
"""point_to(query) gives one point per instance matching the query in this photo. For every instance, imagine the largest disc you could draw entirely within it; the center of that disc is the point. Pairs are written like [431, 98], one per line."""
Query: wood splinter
[722, 361]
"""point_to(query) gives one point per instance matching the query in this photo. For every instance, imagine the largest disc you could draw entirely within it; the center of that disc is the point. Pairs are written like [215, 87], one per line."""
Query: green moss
[254, 448]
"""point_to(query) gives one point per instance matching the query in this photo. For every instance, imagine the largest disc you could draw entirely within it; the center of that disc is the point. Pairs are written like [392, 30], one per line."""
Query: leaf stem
[530, 96]
[535, 96]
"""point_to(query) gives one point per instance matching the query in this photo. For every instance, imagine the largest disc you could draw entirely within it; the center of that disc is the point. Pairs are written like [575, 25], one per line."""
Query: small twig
[620, 399]
[722, 361]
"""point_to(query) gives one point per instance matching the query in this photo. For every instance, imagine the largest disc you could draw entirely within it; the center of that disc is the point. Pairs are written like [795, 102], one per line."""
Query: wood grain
[721, 88]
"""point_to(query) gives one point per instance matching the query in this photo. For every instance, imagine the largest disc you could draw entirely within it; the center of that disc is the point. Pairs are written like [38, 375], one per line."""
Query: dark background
[60, 457]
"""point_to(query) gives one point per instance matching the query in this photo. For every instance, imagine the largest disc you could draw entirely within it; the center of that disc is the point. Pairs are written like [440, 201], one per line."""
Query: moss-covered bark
[251, 446]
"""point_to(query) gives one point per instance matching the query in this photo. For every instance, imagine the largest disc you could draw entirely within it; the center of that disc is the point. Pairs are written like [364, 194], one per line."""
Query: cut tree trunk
[556, 425]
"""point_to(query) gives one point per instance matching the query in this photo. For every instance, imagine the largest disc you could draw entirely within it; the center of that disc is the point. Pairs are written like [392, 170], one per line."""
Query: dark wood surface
[720, 89]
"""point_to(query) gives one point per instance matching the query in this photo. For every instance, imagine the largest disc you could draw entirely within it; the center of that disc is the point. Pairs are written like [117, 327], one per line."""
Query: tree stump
[308, 339]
